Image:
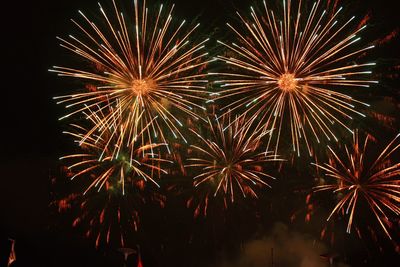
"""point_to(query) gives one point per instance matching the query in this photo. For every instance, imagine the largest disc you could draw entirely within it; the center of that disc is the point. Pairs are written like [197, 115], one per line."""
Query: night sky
[32, 142]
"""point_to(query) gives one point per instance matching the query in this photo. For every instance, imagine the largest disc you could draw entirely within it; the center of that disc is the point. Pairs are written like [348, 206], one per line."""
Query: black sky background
[31, 133]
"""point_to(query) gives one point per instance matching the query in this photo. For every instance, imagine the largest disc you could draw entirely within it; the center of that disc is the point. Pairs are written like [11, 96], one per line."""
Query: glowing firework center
[142, 87]
[287, 82]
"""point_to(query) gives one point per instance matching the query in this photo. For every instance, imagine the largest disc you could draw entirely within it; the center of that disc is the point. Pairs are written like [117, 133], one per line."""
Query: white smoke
[290, 249]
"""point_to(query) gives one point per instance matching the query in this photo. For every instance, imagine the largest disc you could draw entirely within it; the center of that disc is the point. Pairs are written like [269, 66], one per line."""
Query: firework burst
[119, 174]
[289, 70]
[230, 160]
[357, 178]
[105, 160]
[142, 70]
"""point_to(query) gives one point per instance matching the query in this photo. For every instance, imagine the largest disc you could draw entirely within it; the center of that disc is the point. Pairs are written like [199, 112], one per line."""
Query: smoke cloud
[283, 248]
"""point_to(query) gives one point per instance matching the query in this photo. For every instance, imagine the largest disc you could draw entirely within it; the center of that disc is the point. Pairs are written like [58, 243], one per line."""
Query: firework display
[145, 112]
[141, 71]
[359, 178]
[290, 72]
[230, 158]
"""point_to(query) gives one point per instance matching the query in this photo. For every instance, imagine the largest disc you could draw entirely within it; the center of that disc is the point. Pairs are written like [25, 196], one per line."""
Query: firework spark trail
[143, 73]
[376, 182]
[230, 159]
[105, 159]
[109, 217]
[288, 71]
[107, 213]
[119, 174]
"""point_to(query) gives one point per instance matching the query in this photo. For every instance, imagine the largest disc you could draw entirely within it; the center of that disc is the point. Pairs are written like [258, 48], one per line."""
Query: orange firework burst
[106, 161]
[357, 178]
[290, 70]
[118, 172]
[144, 70]
[230, 159]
